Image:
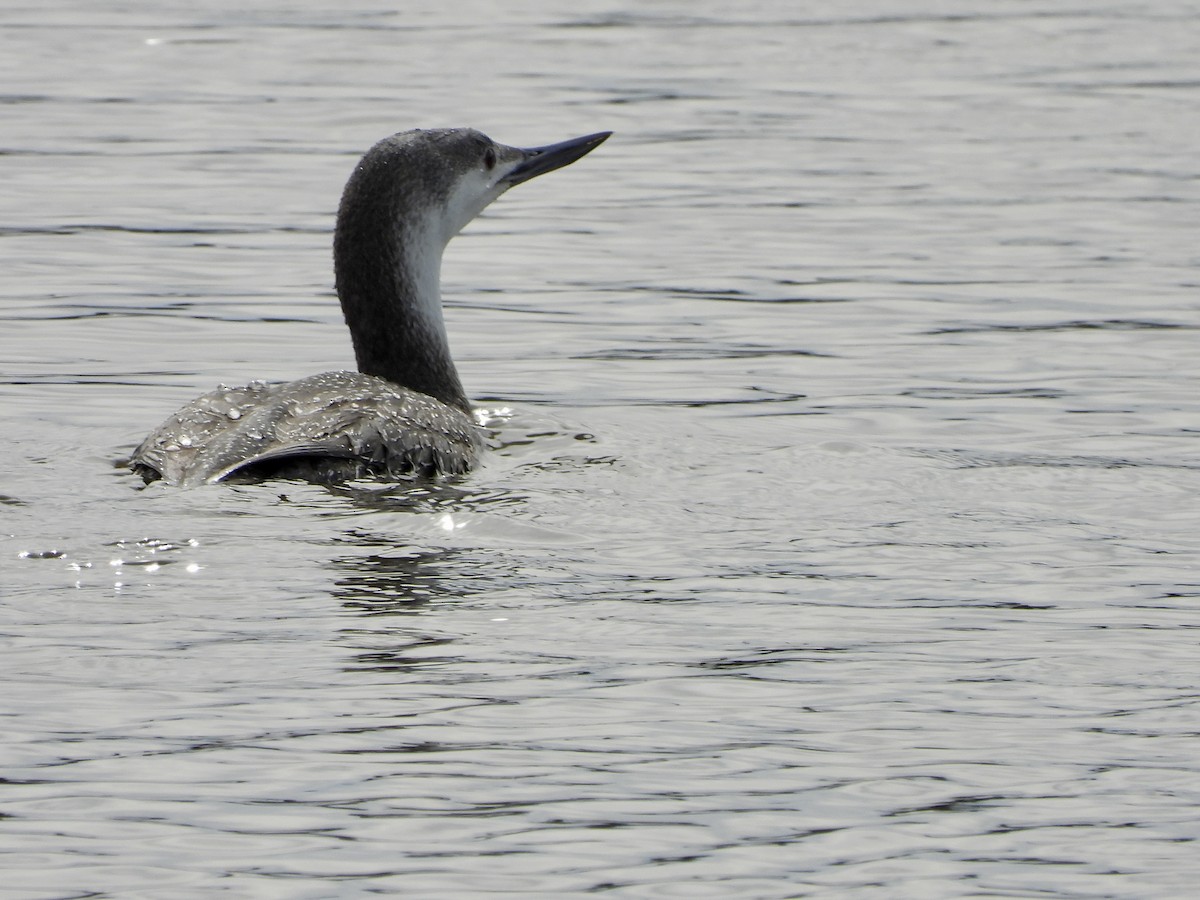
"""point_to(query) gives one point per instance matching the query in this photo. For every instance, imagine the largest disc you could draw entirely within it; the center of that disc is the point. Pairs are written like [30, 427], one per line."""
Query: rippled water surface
[844, 537]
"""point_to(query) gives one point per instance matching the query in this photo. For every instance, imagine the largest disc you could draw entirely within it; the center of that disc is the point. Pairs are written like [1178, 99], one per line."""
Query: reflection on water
[399, 583]
[384, 586]
[840, 524]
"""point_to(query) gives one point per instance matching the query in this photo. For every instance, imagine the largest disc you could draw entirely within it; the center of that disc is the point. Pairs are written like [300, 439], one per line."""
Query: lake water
[845, 536]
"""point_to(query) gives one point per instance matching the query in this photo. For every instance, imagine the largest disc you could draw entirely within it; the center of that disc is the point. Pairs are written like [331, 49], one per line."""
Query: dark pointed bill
[540, 160]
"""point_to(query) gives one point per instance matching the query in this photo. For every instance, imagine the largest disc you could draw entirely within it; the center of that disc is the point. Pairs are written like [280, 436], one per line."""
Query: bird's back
[331, 427]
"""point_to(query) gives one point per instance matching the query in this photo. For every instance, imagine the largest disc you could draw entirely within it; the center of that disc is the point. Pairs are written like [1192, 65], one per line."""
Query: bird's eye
[489, 158]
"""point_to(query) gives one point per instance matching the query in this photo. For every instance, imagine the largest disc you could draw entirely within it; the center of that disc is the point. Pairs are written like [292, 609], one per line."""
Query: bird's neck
[388, 280]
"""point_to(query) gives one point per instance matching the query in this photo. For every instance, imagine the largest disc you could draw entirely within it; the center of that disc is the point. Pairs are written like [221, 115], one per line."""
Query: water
[844, 537]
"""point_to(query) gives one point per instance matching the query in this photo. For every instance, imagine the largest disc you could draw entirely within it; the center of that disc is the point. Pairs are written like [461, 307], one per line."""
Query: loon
[404, 413]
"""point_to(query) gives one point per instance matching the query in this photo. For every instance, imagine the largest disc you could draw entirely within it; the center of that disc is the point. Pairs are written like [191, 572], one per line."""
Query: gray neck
[388, 280]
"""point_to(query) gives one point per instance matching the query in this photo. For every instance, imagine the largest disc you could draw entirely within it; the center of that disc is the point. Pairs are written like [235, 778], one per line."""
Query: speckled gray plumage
[359, 425]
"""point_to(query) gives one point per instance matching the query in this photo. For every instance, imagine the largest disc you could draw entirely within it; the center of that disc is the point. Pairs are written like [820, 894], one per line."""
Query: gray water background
[844, 537]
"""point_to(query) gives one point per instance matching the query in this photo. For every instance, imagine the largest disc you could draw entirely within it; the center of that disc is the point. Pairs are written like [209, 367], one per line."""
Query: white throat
[421, 258]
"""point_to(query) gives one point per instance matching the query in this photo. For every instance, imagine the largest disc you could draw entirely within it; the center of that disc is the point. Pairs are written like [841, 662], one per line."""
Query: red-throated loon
[404, 412]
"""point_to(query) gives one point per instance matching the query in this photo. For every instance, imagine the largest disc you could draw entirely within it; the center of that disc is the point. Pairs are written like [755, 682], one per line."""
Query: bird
[403, 414]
